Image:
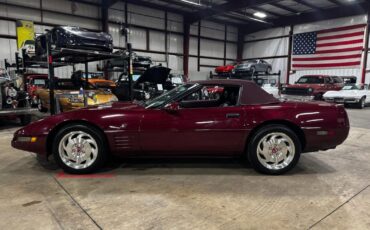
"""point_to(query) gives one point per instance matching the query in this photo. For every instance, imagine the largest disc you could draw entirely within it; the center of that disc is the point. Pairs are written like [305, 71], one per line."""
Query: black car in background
[137, 61]
[152, 83]
[75, 38]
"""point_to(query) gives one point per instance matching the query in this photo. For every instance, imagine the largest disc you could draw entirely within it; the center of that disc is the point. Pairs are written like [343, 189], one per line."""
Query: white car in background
[356, 94]
[271, 89]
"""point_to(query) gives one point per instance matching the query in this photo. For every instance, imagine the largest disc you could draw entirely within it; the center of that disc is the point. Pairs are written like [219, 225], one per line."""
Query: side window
[337, 80]
[212, 96]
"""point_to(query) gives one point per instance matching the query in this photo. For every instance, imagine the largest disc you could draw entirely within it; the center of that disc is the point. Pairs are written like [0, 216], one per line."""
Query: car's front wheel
[361, 103]
[79, 149]
[274, 150]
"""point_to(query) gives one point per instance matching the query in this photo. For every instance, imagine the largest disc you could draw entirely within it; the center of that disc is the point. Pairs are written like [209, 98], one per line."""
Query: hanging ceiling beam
[277, 5]
[306, 3]
[231, 5]
[324, 14]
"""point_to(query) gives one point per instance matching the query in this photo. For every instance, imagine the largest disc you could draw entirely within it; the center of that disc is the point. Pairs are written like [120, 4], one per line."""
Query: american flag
[331, 48]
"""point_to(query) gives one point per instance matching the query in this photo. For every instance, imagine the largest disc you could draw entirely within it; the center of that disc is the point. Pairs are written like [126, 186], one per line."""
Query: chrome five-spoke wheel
[275, 151]
[78, 149]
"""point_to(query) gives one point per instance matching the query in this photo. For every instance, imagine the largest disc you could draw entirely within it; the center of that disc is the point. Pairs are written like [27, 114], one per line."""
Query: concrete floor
[327, 190]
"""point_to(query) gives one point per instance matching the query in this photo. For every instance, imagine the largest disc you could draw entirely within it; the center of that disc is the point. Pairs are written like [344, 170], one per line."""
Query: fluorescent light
[260, 14]
[191, 2]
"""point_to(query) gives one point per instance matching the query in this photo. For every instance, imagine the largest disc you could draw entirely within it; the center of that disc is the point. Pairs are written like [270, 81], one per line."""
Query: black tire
[361, 103]
[268, 71]
[318, 97]
[25, 119]
[257, 137]
[95, 134]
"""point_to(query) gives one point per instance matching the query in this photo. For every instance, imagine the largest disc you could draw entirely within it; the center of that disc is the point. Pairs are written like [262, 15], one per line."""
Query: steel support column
[289, 65]
[198, 54]
[366, 48]
[186, 49]
[240, 45]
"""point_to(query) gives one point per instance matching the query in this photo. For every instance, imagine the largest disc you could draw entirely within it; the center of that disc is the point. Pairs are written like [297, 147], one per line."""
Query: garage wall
[152, 32]
[275, 51]
[211, 45]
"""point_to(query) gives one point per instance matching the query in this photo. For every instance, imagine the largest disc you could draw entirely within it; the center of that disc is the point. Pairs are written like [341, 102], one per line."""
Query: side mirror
[172, 107]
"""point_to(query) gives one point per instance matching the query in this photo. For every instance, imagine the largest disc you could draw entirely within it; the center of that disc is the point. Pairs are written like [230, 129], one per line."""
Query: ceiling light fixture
[260, 14]
[191, 2]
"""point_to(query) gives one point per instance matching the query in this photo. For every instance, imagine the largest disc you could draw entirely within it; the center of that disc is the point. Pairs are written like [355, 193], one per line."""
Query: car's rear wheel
[361, 104]
[274, 150]
[79, 149]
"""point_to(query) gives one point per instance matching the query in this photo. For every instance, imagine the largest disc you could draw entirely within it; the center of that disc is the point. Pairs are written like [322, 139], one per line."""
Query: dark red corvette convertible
[243, 120]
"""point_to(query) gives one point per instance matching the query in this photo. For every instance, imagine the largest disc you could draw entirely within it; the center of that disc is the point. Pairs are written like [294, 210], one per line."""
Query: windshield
[351, 87]
[310, 80]
[29, 42]
[168, 96]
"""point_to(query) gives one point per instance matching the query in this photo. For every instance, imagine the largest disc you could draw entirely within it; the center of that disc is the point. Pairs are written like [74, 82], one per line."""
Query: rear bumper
[315, 141]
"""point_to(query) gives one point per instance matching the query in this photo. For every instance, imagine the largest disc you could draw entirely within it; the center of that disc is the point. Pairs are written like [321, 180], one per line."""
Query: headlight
[310, 90]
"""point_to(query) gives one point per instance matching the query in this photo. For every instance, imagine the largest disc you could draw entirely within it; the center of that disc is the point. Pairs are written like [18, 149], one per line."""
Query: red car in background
[312, 87]
[245, 121]
[225, 70]
[33, 83]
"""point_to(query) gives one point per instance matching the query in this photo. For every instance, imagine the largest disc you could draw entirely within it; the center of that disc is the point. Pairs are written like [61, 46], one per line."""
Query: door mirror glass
[172, 107]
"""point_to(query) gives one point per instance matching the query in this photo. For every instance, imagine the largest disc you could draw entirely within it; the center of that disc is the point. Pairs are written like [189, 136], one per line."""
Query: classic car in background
[28, 47]
[33, 83]
[225, 71]
[12, 96]
[355, 94]
[75, 37]
[312, 87]
[153, 82]
[252, 66]
[275, 135]
[70, 97]
[95, 79]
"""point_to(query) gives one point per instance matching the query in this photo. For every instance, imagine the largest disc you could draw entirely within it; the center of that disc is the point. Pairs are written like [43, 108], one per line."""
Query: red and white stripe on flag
[335, 48]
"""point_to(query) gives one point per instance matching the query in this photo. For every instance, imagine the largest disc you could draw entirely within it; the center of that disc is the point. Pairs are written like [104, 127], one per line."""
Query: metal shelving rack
[66, 56]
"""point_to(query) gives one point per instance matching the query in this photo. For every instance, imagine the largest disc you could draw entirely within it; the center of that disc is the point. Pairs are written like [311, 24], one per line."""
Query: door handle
[232, 115]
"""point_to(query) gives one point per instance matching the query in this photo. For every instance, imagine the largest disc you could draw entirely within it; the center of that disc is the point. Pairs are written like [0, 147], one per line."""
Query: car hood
[156, 75]
[89, 34]
[344, 93]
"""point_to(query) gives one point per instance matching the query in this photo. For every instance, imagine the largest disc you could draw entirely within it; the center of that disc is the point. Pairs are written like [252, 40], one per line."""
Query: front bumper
[341, 100]
[298, 97]
[38, 147]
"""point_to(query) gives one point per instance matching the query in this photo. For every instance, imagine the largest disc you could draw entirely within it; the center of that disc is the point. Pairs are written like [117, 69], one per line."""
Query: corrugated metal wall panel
[71, 7]
[212, 30]
[18, 12]
[268, 48]
[175, 43]
[231, 49]
[7, 27]
[61, 19]
[144, 16]
[157, 41]
[211, 48]
[9, 52]
[137, 37]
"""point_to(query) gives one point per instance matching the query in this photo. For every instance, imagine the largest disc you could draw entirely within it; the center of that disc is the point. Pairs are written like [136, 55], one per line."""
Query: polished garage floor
[327, 190]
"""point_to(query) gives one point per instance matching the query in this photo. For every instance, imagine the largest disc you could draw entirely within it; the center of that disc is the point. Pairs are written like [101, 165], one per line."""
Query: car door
[193, 129]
